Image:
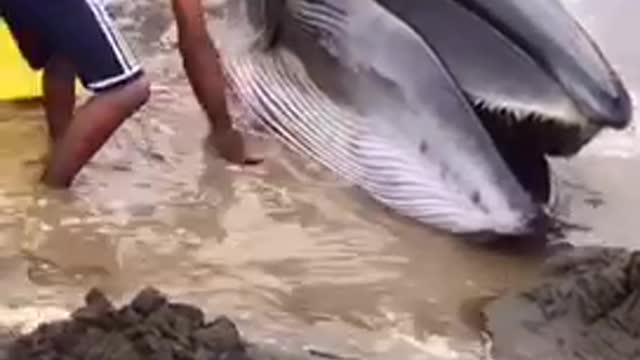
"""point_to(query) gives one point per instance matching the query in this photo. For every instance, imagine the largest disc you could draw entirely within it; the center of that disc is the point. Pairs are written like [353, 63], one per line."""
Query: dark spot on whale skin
[477, 200]
[444, 172]
[423, 147]
[475, 197]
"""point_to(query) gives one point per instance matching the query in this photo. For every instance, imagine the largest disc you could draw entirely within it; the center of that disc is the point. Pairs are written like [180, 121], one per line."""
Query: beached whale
[443, 110]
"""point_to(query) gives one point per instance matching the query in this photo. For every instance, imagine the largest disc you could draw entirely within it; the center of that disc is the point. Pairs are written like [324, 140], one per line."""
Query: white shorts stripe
[103, 84]
[128, 62]
[106, 29]
[120, 43]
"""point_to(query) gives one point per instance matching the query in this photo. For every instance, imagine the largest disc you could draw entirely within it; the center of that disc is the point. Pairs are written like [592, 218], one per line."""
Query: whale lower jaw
[379, 164]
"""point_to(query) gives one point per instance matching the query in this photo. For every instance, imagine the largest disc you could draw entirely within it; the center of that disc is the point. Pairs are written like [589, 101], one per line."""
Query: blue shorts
[81, 31]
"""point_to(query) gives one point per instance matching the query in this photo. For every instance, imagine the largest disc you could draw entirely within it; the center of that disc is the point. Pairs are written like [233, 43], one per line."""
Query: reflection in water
[157, 207]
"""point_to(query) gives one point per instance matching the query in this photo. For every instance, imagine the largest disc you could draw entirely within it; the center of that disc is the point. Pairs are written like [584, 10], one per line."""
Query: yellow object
[17, 80]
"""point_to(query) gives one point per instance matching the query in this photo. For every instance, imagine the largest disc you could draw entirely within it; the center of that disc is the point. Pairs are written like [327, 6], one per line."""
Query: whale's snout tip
[618, 112]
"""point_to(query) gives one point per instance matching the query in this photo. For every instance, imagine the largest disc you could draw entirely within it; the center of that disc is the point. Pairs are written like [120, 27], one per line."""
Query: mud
[294, 259]
[149, 327]
[587, 306]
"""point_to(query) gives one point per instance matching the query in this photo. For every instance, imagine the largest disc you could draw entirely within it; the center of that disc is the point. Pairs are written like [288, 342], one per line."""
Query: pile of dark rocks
[149, 327]
[585, 306]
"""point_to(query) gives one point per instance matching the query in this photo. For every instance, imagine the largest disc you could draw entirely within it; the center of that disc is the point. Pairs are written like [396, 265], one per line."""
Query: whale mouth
[526, 140]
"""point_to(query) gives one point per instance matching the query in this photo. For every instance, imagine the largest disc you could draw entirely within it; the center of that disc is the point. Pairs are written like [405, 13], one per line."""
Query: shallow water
[293, 261]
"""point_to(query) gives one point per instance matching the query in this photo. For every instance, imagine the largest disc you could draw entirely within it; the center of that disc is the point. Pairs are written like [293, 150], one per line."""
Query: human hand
[231, 146]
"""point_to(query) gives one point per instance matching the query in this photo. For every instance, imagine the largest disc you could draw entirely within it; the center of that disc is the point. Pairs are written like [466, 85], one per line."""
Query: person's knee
[139, 90]
[132, 94]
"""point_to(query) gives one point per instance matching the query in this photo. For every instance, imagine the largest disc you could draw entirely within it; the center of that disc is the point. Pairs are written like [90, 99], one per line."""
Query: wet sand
[289, 260]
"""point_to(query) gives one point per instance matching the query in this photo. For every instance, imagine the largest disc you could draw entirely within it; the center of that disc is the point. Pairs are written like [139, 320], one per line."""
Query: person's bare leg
[94, 122]
[59, 95]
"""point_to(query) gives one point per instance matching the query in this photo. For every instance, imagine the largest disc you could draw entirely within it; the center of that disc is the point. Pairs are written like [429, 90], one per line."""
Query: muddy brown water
[295, 257]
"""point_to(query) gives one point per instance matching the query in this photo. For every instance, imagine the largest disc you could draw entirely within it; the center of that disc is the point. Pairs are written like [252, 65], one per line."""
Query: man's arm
[200, 60]
[201, 63]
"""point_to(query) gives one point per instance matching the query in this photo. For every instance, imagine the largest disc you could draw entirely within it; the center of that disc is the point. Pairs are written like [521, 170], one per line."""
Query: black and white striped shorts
[79, 30]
